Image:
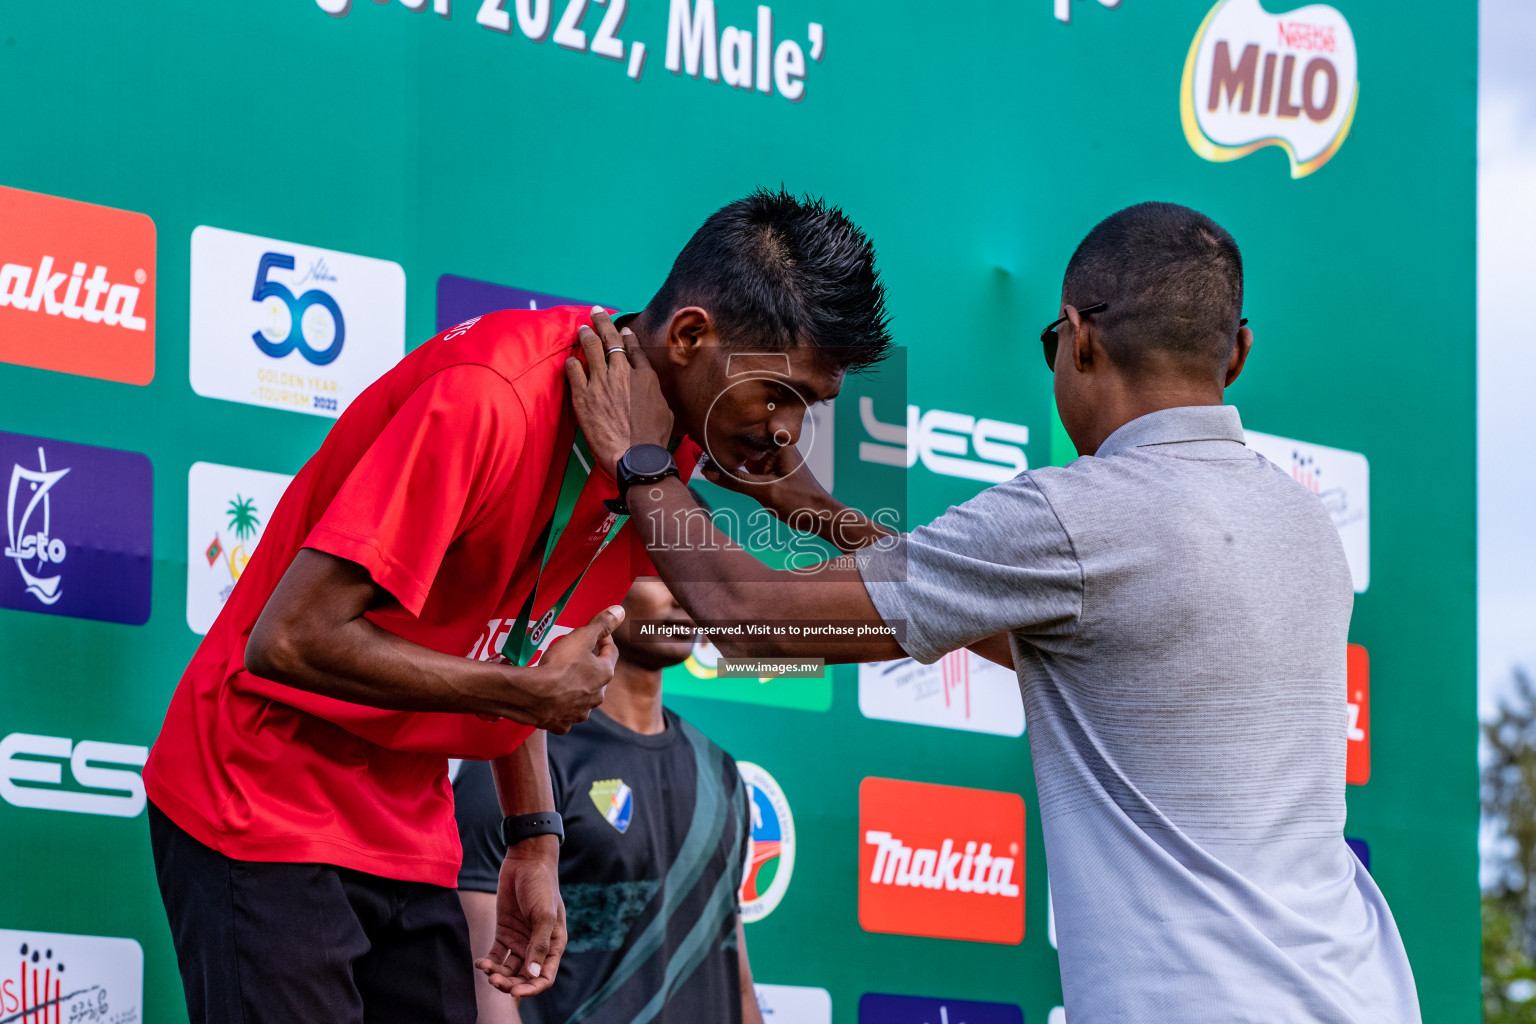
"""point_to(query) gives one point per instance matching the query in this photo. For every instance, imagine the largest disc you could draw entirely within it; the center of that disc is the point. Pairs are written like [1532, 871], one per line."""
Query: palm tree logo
[244, 521]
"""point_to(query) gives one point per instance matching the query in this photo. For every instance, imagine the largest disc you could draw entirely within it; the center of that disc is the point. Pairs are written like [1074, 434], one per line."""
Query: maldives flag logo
[941, 861]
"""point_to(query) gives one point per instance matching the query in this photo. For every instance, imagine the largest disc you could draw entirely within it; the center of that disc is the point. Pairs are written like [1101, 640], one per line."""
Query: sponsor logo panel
[52, 978]
[290, 326]
[227, 512]
[101, 777]
[793, 1004]
[1254, 79]
[1342, 479]
[78, 530]
[770, 847]
[1357, 763]
[947, 443]
[77, 287]
[961, 690]
[945, 862]
[464, 298]
[1362, 851]
[875, 1008]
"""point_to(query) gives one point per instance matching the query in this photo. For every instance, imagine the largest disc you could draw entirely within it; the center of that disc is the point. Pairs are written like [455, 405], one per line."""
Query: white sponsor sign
[52, 978]
[961, 690]
[794, 1004]
[1342, 479]
[227, 512]
[1254, 79]
[291, 326]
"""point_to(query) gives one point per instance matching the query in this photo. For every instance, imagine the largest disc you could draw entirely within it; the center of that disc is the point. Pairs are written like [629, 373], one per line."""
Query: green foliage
[1509, 903]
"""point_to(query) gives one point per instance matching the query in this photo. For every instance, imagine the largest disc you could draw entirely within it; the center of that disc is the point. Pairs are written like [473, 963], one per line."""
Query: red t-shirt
[438, 480]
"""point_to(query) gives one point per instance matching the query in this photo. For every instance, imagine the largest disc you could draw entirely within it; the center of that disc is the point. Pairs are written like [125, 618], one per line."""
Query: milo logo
[545, 621]
[1254, 79]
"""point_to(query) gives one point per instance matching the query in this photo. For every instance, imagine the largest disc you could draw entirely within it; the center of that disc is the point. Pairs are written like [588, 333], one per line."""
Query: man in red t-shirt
[401, 609]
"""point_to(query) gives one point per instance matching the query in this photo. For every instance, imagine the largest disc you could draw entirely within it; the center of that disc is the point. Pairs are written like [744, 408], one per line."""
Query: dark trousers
[269, 943]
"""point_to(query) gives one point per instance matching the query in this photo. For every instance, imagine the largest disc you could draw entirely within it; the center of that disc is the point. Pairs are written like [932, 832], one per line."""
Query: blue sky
[1506, 346]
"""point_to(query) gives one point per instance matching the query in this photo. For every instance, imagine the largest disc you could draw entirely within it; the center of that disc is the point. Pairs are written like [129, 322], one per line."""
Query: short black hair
[775, 271]
[1173, 280]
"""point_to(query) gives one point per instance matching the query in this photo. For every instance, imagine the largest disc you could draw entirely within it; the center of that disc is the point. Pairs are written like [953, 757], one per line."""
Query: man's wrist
[546, 847]
[514, 692]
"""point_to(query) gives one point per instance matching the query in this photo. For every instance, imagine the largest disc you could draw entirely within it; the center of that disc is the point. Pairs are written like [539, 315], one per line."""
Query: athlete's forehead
[804, 368]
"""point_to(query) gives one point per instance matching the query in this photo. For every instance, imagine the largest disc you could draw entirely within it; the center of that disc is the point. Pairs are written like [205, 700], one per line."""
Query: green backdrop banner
[219, 222]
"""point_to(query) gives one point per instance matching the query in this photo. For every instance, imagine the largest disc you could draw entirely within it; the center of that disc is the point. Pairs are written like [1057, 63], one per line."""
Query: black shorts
[478, 811]
[273, 943]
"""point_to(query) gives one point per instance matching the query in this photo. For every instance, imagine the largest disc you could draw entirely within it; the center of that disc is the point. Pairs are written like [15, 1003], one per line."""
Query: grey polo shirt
[1178, 609]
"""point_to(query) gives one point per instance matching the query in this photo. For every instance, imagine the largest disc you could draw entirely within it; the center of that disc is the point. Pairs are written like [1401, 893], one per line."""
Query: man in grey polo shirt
[1177, 609]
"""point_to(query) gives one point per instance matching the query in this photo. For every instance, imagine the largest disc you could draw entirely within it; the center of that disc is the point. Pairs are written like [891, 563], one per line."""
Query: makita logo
[77, 287]
[972, 869]
[93, 299]
[945, 862]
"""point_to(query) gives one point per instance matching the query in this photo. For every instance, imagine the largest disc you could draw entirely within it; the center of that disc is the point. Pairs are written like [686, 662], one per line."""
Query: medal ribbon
[580, 501]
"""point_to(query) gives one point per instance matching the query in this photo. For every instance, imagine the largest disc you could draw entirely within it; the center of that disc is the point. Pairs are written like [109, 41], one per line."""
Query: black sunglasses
[1048, 337]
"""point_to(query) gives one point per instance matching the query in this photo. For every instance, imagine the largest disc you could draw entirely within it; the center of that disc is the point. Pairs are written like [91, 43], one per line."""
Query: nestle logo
[945, 862]
[1298, 35]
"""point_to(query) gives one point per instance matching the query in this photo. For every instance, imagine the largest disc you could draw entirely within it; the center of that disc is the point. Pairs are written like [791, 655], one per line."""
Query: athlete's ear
[689, 332]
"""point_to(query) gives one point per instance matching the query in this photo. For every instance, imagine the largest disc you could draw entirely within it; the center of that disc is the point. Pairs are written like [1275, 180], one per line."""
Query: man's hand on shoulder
[617, 395]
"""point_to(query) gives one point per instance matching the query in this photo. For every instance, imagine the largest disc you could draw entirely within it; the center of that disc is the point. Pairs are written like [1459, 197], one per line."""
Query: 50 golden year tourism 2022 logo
[1254, 79]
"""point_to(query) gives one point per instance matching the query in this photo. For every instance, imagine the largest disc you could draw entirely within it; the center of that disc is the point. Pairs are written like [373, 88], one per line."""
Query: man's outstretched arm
[313, 635]
[720, 582]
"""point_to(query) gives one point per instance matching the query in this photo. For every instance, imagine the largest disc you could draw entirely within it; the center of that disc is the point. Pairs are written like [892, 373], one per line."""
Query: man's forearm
[522, 778]
[523, 786]
[313, 636]
[364, 664]
[719, 581]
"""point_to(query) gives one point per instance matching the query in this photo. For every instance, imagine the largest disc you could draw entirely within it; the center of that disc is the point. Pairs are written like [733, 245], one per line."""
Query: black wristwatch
[525, 826]
[642, 464]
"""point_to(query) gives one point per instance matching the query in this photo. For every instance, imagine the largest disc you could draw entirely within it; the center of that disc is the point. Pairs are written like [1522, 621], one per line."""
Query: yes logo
[615, 801]
[1357, 763]
[49, 978]
[77, 529]
[117, 792]
[941, 861]
[945, 443]
[291, 326]
[227, 511]
[1254, 79]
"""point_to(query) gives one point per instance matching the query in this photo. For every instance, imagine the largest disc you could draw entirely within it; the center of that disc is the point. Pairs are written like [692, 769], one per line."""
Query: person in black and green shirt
[656, 827]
